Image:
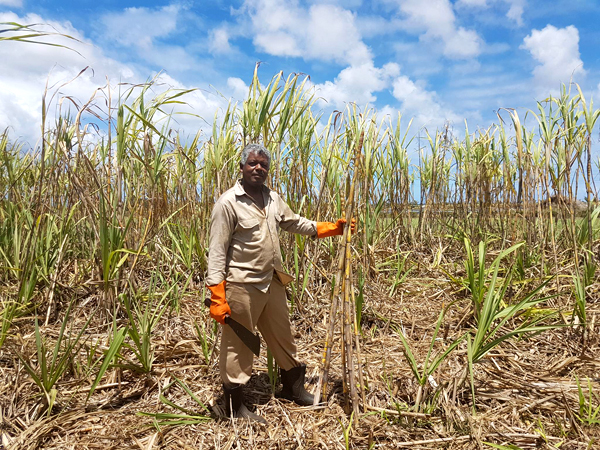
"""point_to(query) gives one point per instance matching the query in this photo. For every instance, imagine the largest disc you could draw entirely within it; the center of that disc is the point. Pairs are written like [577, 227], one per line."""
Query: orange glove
[218, 305]
[326, 229]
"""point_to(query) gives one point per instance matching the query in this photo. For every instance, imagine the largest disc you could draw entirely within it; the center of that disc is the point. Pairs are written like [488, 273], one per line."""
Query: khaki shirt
[244, 241]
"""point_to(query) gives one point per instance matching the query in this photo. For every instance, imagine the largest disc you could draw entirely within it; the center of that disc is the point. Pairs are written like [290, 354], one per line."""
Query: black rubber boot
[234, 404]
[293, 386]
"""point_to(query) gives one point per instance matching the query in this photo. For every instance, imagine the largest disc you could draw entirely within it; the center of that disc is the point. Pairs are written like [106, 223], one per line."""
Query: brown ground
[526, 391]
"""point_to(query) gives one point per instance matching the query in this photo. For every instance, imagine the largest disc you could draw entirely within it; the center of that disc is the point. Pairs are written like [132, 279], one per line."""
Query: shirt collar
[239, 189]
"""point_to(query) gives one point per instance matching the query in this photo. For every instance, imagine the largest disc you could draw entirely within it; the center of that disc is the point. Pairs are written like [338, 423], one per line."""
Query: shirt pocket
[248, 230]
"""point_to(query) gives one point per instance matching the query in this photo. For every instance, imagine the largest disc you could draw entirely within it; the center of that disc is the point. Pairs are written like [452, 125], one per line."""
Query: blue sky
[439, 61]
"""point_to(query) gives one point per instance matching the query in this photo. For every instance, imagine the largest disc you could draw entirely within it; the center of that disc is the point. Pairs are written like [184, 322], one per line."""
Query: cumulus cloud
[515, 11]
[437, 19]
[323, 31]
[360, 84]
[357, 84]
[557, 52]
[327, 32]
[198, 111]
[22, 82]
[219, 40]
[421, 104]
[239, 89]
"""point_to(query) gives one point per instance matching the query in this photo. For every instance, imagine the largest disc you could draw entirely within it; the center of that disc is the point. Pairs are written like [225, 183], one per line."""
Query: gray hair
[254, 148]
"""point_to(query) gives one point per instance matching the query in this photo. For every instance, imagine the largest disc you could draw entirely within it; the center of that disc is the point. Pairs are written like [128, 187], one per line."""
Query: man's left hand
[326, 229]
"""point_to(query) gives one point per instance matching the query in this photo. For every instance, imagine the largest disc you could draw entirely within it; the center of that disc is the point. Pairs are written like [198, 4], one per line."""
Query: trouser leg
[235, 359]
[275, 327]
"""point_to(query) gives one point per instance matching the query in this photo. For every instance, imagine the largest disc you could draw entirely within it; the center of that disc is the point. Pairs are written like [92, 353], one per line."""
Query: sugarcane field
[440, 283]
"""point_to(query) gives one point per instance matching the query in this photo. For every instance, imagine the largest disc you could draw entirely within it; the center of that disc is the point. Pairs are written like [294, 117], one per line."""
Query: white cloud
[278, 43]
[357, 84]
[239, 89]
[462, 44]
[331, 31]
[172, 58]
[557, 52]
[516, 10]
[219, 40]
[421, 104]
[197, 103]
[275, 25]
[437, 19]
[23, 81]
[140, 26]
[323, 31]
[12, 3]
[514, 13]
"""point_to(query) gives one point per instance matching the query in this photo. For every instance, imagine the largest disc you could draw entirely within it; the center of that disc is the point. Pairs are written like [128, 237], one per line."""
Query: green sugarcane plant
[186, 416]
[422, 372]
[588, 414]
[110, 356]
[52, 363]
[113, 253]
[19, 253]
[590, 117]
[272, 370]
[588, 230]
[142, 321]
[582, 280]
[495, 315]
[206, 334]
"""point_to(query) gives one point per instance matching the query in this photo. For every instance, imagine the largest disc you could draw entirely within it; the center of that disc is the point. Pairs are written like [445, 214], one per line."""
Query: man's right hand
[219, 308]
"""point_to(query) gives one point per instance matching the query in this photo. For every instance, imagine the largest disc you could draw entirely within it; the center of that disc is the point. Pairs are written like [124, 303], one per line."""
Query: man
[246, 278]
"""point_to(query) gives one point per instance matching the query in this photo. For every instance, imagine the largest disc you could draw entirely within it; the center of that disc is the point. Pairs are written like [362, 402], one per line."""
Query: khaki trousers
[252, 308]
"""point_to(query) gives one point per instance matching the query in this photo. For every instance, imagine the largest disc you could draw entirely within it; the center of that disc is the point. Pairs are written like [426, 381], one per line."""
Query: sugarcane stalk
[348, 309]
[309, 248]
[321, 390]
[347, 335]
[322, 385]
[358, 353]
[345, 354]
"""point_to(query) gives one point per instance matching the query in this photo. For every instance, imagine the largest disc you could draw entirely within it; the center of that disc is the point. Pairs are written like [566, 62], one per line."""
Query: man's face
[256, 169]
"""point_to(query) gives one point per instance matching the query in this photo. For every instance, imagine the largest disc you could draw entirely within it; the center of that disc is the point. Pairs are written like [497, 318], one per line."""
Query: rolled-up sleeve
[294, 223]
[222, 224]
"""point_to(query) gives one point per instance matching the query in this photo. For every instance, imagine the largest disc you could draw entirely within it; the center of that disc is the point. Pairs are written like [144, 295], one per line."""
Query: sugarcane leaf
[113, 350]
